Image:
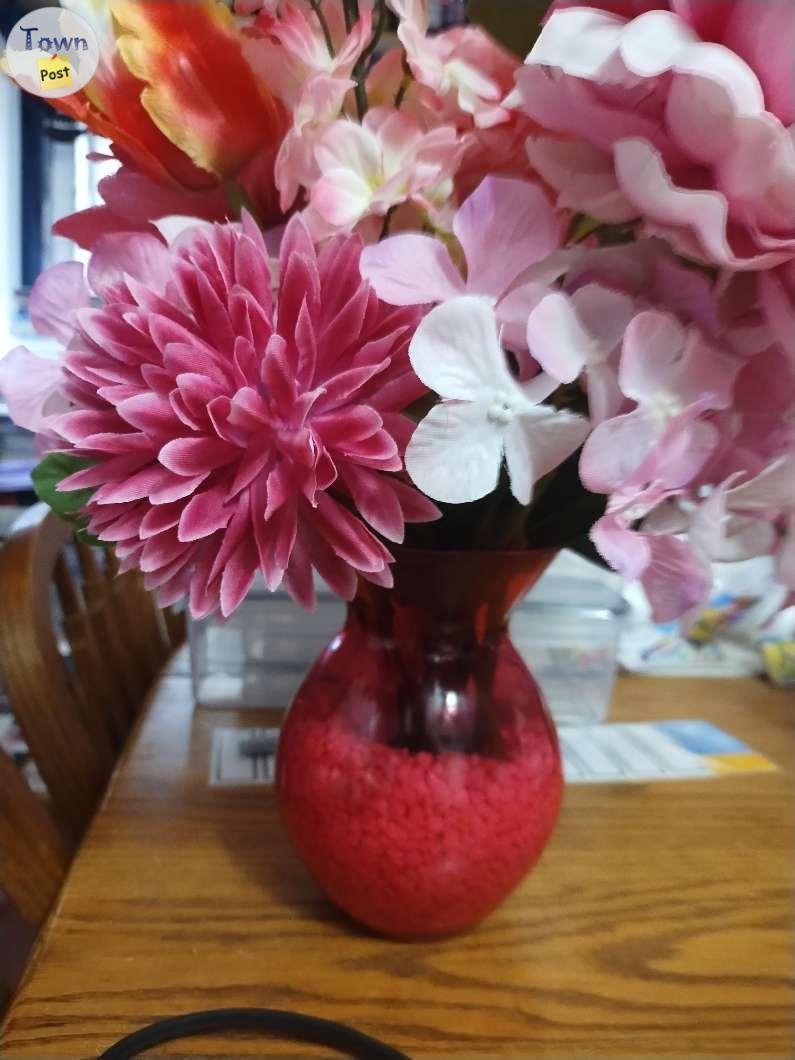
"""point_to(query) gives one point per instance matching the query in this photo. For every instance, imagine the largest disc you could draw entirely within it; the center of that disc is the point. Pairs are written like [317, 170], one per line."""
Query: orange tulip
[177, 97]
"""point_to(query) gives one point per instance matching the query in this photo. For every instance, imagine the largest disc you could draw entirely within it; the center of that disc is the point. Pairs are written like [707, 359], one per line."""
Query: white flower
[456, 452]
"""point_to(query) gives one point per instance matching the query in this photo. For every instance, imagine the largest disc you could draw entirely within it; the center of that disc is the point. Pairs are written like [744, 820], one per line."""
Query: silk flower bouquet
[412, 319]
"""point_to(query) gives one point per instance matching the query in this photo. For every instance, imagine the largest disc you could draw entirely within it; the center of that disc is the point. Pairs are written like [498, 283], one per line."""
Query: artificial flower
[388, 159]
[320, 102]
[670, 372]
[288, 47]
[753, 518]
[664, 115]
[577, 331]
[581, 334]
[179, 128]
[229, 432]
[31, 383]
[485, 415]
[417, 269]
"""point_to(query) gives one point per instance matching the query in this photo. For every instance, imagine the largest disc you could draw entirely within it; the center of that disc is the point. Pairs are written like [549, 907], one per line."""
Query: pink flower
[577, 331]
[32, 385]
[319, 104]
[230, 432]
[665, 116]
[580, 334]
[673, 374]
[675, 576]
[675, 579]
[462, 77]
[777, 295]
[468, 71]
[507, 230]
[134, 202]
[456, 452]
[389, 159]
[287, 49]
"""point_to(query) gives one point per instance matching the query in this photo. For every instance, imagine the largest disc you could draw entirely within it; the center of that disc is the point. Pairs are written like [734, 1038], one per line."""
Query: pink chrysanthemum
[230, 432]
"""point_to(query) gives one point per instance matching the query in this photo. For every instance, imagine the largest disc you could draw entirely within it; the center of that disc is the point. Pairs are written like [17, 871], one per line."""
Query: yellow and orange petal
[199, 91]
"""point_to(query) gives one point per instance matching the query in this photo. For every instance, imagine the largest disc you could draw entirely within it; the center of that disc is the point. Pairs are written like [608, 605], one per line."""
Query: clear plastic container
[567, 631]
[259, 656]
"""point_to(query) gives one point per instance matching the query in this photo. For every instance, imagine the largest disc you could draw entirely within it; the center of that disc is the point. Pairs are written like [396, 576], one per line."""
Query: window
[45, 174]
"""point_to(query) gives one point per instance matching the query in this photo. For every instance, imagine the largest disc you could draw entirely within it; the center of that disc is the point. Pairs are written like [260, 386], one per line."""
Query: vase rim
[462, 552]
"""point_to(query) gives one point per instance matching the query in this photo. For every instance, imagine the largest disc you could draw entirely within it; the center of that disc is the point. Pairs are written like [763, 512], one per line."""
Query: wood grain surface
[658, 922]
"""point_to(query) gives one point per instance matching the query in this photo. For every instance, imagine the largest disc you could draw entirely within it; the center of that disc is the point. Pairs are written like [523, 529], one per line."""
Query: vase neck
[439, 633]
[443, 593]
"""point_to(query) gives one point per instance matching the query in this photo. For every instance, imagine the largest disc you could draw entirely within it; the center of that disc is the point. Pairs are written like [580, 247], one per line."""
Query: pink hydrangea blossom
[416, 269]
[231, 432]
[577, 331]
[667, 371]
[665, 114]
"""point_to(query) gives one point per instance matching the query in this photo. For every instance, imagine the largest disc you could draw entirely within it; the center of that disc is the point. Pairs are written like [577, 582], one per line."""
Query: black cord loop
[290, 1025]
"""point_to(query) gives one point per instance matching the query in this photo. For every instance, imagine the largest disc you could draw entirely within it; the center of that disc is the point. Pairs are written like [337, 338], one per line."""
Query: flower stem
[315, 5]
[238, 200]
[350, 9]
[378, 29]
[404, 84]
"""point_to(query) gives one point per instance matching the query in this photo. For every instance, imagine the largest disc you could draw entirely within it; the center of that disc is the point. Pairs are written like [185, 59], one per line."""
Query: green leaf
[53, 469]
[70, 504]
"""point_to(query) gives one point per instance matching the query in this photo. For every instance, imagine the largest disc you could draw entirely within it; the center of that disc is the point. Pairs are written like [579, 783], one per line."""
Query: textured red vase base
[416, 845]
[418, 771]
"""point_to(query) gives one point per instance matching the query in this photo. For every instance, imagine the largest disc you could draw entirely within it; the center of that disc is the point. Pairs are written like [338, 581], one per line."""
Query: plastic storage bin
[567, 632]
[259, 656]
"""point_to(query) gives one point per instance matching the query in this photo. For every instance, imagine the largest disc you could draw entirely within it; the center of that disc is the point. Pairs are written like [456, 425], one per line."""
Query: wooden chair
[34, 854]
[79, 649]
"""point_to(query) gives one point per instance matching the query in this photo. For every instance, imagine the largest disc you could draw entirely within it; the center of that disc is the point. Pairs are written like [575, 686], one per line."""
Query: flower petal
[411, 269]
[201, 92]
[32, 388]
[456, 350]
[144, 257]
[55, 296]
[557, 339]
[455, 453]
[538, 442]
[514, 216]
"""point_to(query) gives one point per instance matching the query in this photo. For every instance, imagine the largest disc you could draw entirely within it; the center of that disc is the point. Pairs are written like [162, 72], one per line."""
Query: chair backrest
[79, 649]
[33, 854]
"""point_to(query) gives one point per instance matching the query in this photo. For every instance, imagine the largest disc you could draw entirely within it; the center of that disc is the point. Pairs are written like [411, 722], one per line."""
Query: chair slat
[34, 673]
[103, 711]
[33, 855]
[74, 706]
[97, 595]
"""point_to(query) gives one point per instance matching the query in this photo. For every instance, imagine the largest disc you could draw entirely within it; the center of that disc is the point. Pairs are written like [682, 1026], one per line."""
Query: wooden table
[658, 922]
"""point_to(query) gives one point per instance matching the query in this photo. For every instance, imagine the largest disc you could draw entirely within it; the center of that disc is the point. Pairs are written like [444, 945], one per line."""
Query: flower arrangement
[342, 294]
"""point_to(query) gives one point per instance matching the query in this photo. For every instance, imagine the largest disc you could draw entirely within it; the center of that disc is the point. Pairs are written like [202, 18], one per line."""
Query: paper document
[592, 754]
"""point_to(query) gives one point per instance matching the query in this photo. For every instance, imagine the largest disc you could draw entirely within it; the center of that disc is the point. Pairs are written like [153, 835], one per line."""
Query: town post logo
[52, 52]
[54, 73]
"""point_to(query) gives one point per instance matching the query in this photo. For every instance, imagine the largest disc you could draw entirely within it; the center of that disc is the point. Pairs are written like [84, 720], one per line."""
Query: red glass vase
[418, 771]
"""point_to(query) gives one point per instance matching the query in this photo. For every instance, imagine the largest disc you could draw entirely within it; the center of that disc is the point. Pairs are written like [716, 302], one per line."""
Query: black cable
[291, 1025]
